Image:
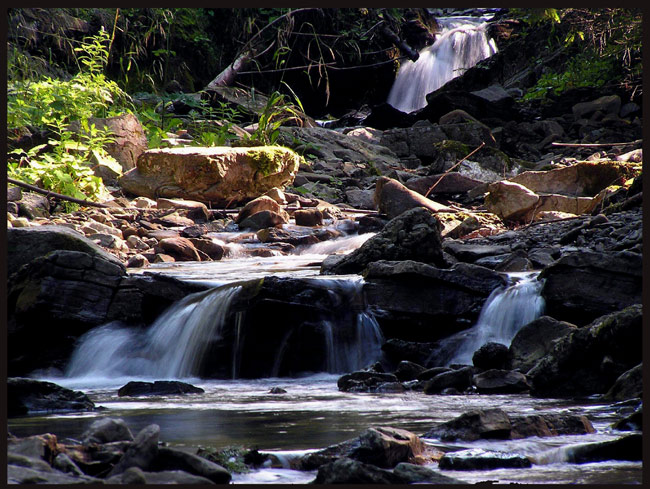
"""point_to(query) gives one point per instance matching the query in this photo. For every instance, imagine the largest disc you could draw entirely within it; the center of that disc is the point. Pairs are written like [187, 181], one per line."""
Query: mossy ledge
[268, 160]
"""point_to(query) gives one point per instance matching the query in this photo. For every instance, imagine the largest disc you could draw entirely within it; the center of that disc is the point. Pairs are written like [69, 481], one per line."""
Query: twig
[54, 195]
[447, 171]
[595, 145]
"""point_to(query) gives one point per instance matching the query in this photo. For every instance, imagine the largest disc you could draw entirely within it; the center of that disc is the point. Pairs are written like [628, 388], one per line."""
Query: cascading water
[504, 313]
[461, 44]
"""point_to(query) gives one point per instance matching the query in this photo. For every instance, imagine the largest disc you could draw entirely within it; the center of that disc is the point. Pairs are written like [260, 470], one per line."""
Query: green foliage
[230, 458]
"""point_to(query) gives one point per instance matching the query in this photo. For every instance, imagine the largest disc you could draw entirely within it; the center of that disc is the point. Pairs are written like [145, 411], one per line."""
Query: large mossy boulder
[590, 359]
[216, 175]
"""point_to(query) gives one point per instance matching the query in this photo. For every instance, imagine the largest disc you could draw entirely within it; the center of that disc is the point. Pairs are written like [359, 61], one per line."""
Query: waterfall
[504, 313]
[172, 347]
[461, 44]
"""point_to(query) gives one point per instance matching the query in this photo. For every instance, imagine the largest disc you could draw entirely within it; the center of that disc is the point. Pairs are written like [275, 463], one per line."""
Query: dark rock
[386, 447]
[432, 372]
[397, 350]
[132, 475]
[137, 261]
[277, 390]
[500, 382]
[30, 396]
[534, 340]
[412, 473]
[543, 425]
[141, 453]
[214, 250]
[174, 477]
[24, 475]
[414, 235]
[392, 198]
[479, 459]
[581, 287]
[633, 422]
[263, 219]
[65, 464]
[460, 380]
[14, 194]
[491, 356]
[158, 388]
[364, 381]
[515, 262]
[348, 471]
[474, 425]
[385, 116]
[408, 370]
[471, 252]
[445, 183]
[371, 224]
[628, 386]
[33, 205]
[590, 359]
[106, 430]
[308, 217]
[173, 459]
[627, 448]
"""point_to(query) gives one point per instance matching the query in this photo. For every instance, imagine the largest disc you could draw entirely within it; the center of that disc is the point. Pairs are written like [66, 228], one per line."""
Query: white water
[504, 313]
[462, 44]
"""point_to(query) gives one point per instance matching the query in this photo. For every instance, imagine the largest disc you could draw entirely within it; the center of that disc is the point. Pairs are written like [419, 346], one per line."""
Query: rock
[65, 464]
[132, 475]
[262, 220]
[386, 447]
[308, 217]
[633, 422]
[259, 204]
[360, 199]
[348, 471]
[412, 473]
[277, 390]
[472, 252]
[580, 287]
[496, 381]
[182, 249]
[136, 243]
[397, 350]
[278, 195]
[141, 453]
[109, 241]
[534, 340]
[163, 258]
[414, 235]
[173, 459]
[406, 371]
[474, 425]
[144, 203]
[25, 475]
[495, 94]
[544, 425]
[33, 205]
[459, 380]
[214, 250]
[393, 199]
[219, 175]
[479, 459]
[491, 356]
[26, 396]
[158, 388]
[14, 194]
[456, 116]
[445, 183]
[628, 386]
[23, 245]
[510, 201]
[107, 430]
[626, 448]
[174, 477]
[364, 381]
[610, 104]
[589, 360]
[179, 204]
[37, 447]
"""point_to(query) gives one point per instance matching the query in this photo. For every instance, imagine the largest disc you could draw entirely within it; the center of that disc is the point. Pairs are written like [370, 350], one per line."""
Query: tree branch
[54, 195]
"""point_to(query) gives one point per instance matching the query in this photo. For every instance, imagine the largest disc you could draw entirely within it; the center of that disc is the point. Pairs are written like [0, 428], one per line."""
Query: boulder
[459, 380]
[609, 104]
[264, 219]
[544, 425]
[628, 386]
[633, 422]
[262, 203]
[141, 453]
[393, 199]
[348, 471]
[107, 430]
[412, 473]
[158, 388]
[406, 370]
[497, 381]
[386, 447]
[474, 425]
[479, 459]
[397, 350]
[174, 459]
[491, 356]
[33, 205]
[413, 235]
[181, 249]
[218, 175]
[589, 360]
[19, 474]
[582, 286]
[511, 201]
[445, 183]
[534, 340]
[364, 381]
[308, 217]
[26, 396]
[626, 448]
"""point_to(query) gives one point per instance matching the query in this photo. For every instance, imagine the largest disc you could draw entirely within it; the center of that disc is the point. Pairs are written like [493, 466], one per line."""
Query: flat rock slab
[159, 387]
[218, 175]
[479, 459]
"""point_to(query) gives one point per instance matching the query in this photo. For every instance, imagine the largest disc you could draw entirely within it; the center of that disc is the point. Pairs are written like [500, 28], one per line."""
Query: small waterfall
[504, 313]
[461, 45]
[172, 347]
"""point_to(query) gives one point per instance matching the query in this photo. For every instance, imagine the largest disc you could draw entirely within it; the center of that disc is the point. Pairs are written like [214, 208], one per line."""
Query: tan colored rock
[179, 204]
[260, 204]
[393, 198]
[218, 175]
[144, 203]
[94, 227]
[182, 249]
[277, 195]
[510, 201]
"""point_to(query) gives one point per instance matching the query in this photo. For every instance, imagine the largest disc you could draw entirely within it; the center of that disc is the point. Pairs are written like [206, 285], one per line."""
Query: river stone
[107, 430]
[544, 425]
[633, 422]
[589, 359]
[406, 370]
[534, 340]
[348, 471]
[264, 219]
[33, 205]
[392, 198]
[497, 381]
[397, 350]
[158, 388]
[479, 459]
[173, 459]
[412, 473]
[459, 380]
[221, 176]
[308, 217]
[262, 203]
[386, 447]
[510, 201]
[29, 396]
[628, 386]
[182, 249]
[65, 464]
[24, 475]
[413, 235]
[582, 286]
[474, 425]
[491, 356]
[141, 453]
[364, 381]
[626, 448]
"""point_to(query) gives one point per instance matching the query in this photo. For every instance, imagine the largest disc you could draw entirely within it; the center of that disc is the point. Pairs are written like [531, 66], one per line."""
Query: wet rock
[406, 370]
[263, 219]
[459, 380]
[430, 373]
[468, 252]
[491, 356]
[628, 386]
[141, 453]
[174, 477]
[308, 217]
[364, 381]
[107, 430]
[474, 425]
[220, 175]
[627, 448]
[181, 249]
[157, 388]
[173, 459]
[348, 471]
[65, 464]
[633, 422]
[263, 203]
[360, 199]
[277, 390]
[392, 198]
[497, 381]
[386, 447]
[397, 350]
[414, 235]
[543, 425]
[536, 339]
[214, 250]
[479, 459]
[590, 359]
[580, 287]
[412, 473]
[26, 396]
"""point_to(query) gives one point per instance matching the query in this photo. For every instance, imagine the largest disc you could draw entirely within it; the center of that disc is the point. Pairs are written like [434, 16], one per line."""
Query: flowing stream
[461, 44]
